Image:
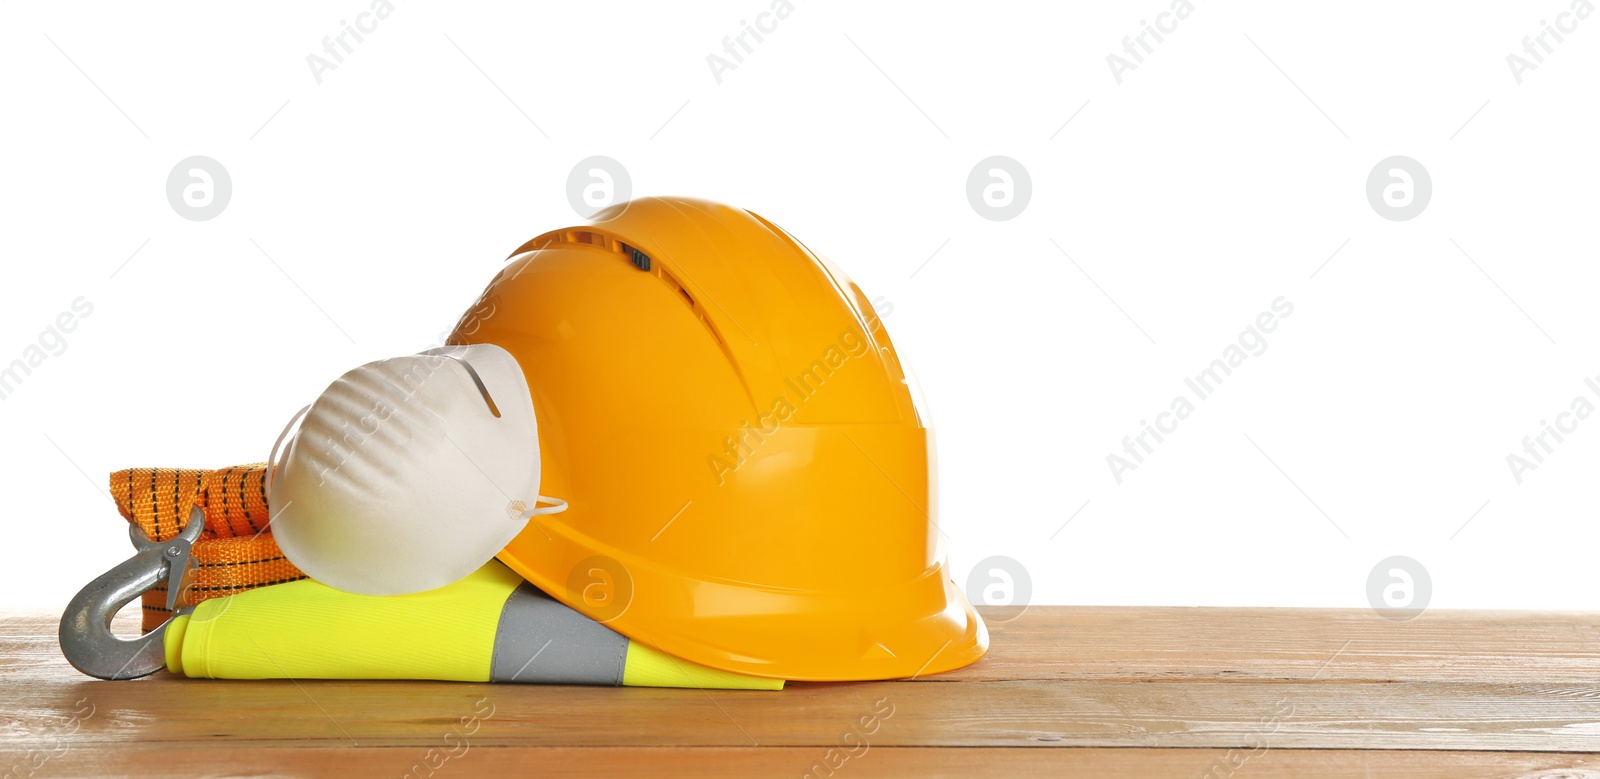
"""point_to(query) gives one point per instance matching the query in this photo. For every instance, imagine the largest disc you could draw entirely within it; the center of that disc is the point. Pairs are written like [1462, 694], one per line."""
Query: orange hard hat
[750, 481]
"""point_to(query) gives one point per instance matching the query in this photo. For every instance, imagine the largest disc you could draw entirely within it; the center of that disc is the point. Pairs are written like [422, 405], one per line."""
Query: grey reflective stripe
[539, 640]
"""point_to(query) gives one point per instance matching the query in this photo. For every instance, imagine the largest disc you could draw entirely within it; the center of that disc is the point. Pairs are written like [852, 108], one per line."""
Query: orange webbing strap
[235, 553]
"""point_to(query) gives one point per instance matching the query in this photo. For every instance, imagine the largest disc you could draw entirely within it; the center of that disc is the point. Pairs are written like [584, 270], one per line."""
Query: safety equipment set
[743, 482]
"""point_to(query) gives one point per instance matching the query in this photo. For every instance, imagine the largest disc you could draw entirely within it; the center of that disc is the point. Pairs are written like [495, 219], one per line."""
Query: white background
[1190, 196]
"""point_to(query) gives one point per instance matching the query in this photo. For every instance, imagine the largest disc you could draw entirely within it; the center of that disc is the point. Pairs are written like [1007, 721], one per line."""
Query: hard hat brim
[799, 635]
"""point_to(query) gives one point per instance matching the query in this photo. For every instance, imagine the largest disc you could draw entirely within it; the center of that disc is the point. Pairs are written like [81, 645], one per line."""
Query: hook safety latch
[86, 637]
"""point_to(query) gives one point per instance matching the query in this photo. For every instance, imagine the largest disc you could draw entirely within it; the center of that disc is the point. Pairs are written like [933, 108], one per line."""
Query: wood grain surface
[1065, 690]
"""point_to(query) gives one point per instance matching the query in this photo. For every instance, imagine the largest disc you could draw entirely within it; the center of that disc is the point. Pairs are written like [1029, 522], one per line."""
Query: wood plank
[1165, 643]
[875, 761]
[1344, 715]
[1118, 692]
[1160, 643]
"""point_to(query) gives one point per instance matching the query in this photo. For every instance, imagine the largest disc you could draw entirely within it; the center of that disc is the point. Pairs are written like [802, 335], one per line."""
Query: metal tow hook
[86, 637]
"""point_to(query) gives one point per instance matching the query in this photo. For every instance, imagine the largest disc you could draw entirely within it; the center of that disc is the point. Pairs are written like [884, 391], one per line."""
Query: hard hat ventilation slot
[716, 336]
[639, 259]
[672, 281]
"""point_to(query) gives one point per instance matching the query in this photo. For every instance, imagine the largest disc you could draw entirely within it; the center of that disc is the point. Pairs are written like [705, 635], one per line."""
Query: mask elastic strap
[557, 506]
[272, 459]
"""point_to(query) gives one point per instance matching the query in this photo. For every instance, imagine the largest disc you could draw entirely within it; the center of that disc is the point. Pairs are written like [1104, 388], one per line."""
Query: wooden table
[1105, 692]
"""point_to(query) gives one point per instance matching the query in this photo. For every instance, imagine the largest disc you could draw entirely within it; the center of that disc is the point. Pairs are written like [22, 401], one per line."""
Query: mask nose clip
[86, 637]
[477, 381]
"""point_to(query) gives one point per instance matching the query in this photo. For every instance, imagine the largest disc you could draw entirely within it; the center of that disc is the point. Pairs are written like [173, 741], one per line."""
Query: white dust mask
[409, 473]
